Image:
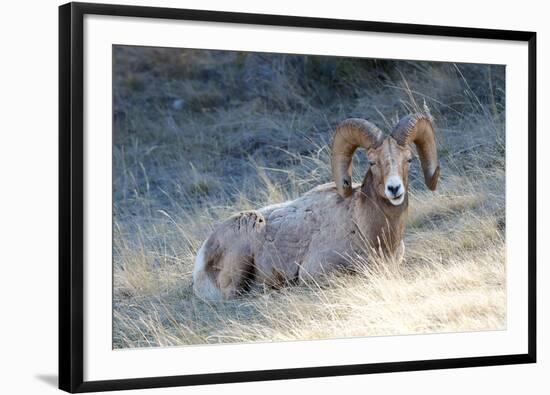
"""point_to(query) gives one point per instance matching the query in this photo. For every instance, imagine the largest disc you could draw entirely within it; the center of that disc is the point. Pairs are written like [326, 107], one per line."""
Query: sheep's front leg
[400, 253]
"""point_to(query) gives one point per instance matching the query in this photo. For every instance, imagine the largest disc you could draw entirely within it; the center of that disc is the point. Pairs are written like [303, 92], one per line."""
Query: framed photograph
[213, 228]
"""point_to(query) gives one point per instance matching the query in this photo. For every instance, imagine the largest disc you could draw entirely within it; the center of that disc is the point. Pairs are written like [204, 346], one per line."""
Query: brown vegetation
[200, 135]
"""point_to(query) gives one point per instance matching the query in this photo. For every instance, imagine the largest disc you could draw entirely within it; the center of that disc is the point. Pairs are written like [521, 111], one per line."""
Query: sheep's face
[389, 164]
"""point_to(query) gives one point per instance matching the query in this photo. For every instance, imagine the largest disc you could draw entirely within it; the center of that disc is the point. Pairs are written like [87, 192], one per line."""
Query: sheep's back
[296, 229]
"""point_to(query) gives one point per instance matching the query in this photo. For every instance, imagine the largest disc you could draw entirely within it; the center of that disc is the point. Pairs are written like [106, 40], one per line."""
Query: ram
[306, 238]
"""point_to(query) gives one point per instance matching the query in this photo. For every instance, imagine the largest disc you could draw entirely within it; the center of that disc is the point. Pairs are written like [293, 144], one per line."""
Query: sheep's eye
[372, 163]
[409, 160]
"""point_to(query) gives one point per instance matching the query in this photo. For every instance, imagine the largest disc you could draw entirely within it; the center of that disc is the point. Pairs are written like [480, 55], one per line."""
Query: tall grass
[200, 135]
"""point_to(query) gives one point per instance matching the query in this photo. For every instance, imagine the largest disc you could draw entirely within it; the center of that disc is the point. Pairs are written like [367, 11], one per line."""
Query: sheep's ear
[418, 129]
[349, 135]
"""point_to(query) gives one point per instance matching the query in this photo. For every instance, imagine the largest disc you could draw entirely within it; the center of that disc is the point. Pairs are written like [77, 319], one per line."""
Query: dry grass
[193, 146]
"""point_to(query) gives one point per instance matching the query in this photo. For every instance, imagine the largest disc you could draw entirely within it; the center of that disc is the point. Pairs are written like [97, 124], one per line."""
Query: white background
[28, 197]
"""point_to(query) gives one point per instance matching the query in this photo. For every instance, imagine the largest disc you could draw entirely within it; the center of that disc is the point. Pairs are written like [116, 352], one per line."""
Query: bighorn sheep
[306, 237]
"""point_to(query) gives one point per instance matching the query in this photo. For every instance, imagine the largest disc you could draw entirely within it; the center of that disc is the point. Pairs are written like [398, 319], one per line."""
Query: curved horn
[418, 129]
[349, 135]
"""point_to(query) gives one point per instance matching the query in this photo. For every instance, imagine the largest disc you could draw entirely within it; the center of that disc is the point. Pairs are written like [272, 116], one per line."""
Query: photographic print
[266, 197]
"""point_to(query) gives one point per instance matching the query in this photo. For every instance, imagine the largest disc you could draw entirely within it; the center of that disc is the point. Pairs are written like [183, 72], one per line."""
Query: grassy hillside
[199, 135]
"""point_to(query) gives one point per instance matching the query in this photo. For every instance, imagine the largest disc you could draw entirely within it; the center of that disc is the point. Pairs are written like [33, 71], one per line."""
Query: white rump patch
[203, 285]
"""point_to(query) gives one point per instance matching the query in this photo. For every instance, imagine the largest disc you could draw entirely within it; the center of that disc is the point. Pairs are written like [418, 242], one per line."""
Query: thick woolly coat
[298, 239]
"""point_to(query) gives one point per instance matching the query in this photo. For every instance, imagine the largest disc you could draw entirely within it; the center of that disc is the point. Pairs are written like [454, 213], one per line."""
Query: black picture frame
[71, 195]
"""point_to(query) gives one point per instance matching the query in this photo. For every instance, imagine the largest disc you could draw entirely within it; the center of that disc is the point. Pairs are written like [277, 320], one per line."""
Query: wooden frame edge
[71, 194]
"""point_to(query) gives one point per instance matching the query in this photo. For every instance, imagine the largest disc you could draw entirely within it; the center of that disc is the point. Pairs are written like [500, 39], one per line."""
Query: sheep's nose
[394, 189]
